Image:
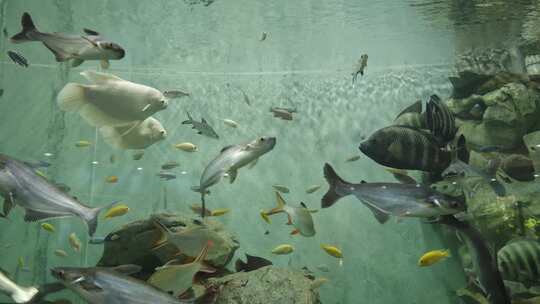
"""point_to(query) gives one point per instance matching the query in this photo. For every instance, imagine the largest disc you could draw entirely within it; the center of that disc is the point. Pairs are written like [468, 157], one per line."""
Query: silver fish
[170, 165]
[18, 58]
[66, 47]
[230, 160]
[360, 67]
[282, 113]
[21, 185]
[98, 285]
[202, 127]
[166, 175]
[171, 94]
[385, 199]
[17, 293]
[300, 217]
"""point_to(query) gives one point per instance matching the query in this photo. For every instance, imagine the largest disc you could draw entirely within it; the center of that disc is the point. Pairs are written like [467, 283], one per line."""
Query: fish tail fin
[336, 187]
[163, 234]
[189, 120]
[27, 27]
[71, 98]
[91, 217]
[280, 205]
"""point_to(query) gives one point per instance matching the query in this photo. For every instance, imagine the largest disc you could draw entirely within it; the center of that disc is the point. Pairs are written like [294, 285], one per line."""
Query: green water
[213, 52]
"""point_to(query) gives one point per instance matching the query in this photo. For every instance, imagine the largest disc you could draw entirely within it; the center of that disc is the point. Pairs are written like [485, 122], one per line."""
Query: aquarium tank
[292, 152]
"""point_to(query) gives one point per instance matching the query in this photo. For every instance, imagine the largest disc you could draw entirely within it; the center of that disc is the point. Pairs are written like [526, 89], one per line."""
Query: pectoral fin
[253, 163]
[105, 64]
[380, 216]
[232, 175]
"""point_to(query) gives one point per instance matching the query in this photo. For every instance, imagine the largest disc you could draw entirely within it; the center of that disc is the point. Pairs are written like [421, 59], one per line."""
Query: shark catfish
[21, 185]
[91, 46]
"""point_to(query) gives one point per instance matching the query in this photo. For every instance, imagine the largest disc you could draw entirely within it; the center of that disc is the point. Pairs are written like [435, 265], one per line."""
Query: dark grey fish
[171, 94]
[202, 127]
[18, 58]
[484, 265]
[411, 117]
[170, 165]
[440, 120]
[66, 47]
[166, 175]
[462, 169]
[251, 263]
[21, 185]
[519, 260]
[360, 67]
[385, 199]
[99, 285]
[406, 148]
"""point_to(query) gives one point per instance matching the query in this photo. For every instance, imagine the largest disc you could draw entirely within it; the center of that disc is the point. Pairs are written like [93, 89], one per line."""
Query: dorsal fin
[414, 108]
[363, 182]
[303, 205]
[226, 148]
[90, 32]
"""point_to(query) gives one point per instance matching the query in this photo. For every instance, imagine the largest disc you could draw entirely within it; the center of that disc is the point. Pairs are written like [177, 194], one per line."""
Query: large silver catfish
[230, 160]
[21, 185]
[66, 47]
[99, 285]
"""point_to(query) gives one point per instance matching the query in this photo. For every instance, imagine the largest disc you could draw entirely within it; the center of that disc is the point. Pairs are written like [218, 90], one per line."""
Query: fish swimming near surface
[230, 160]
[282, 113]
[440, 120]
[78, 48]
[18, 294]
[283, 249]
[135, 137]
[111, 101]
[202, 127]
[252, 263]
[360, 67]
[21, 185]
[519, 260]
[484, 264]
[432, 257]
[406, 148]
[100, 285]
[18, 58]
[412, 117]
[300, 217]
[177, 279]
[385, 199]
[171, 94]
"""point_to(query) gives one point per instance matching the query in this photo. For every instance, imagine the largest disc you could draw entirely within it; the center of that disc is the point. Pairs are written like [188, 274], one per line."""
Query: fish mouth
[273, 141]
[363, 147]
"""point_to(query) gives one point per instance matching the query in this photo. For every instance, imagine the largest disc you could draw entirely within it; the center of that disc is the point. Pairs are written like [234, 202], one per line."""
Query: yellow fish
[220, 212]
[112, 179]
[188, 147]
[117, 210]
[283, 249]
[265, 216]
[48, 227]
[332, 250]
[75, 242]
[432, 257]
[83, 144]
[60, 253]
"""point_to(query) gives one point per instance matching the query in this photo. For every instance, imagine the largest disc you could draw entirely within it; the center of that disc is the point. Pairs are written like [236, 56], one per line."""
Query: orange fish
[112, 179]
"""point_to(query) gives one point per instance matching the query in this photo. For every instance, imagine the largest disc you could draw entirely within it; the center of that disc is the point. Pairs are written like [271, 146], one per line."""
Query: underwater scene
[245, 152]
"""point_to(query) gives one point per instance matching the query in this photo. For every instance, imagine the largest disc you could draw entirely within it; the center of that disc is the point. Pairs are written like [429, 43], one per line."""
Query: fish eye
[261, 139]
[162, 101]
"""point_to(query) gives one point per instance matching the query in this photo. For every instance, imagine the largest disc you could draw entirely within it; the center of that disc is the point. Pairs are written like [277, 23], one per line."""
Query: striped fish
[411, 117]
[406, 148]
[18, 58]
[440, 121]
[520, 261]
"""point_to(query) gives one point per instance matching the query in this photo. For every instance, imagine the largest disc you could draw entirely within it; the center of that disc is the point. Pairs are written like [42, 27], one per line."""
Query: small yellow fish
[353, 158]
[83, 144]
[117, 210]
[332, 250]
[281, 188]
[432, 257]
[220, 212]
[188, 147]
[60, 253]
[48, 227]
[75, 242]
[230, 123]
[313, 188]
[265, 216]
[113, 179]
[283, 249]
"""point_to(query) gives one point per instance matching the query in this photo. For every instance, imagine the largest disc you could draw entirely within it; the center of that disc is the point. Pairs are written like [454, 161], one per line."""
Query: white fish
[230, 160]
[18, 293]
[141, 136]
[110, 100]
[66, 47]
[300, 217]
[231, 123]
